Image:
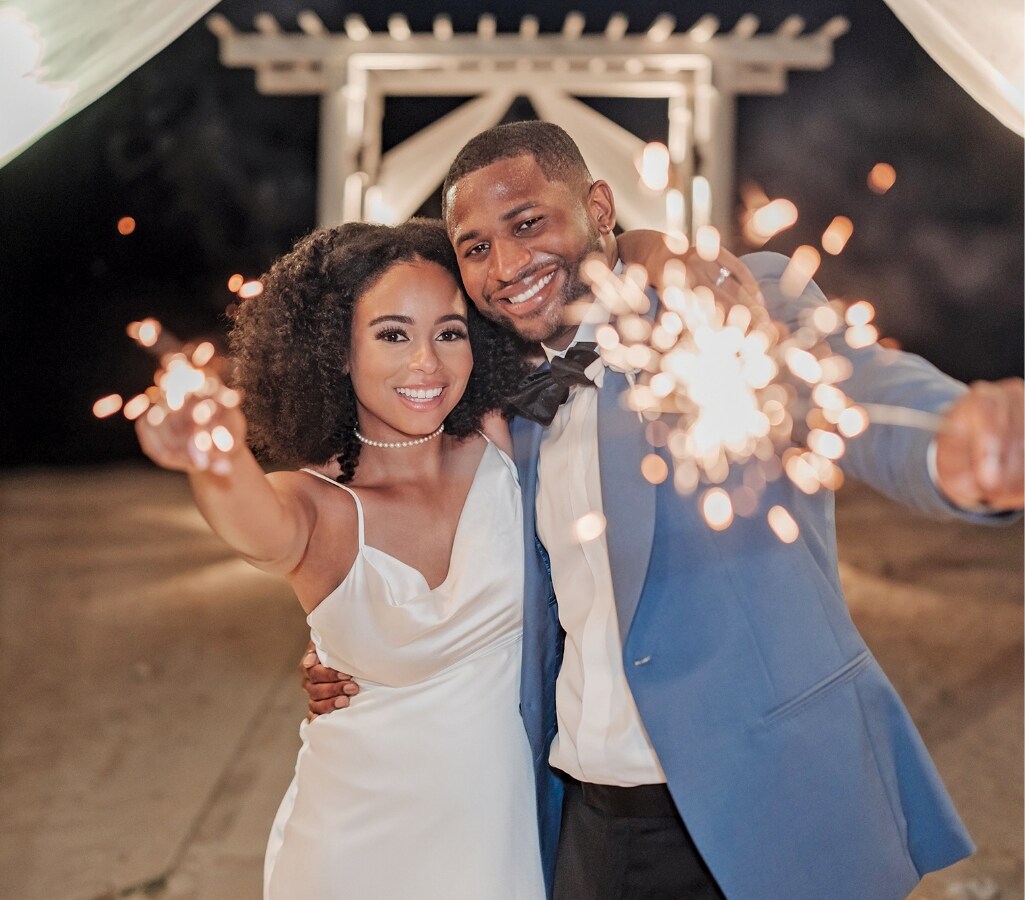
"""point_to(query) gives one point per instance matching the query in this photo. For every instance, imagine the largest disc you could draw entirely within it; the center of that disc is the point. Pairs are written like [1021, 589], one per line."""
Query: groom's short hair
[554, 151]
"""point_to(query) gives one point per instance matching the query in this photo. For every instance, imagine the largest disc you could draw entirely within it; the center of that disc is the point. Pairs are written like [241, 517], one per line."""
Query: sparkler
[184, 372]
[726, 386]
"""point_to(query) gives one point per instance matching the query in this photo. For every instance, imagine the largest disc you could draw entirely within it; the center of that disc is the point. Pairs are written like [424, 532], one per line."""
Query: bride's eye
[453, 334]
[391, 335]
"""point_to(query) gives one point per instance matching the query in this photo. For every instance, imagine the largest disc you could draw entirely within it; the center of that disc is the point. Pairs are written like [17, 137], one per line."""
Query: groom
[705, 719]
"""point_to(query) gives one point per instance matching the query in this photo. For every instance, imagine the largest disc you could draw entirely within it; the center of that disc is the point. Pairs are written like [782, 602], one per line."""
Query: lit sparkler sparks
[721, 387]
[183, 373]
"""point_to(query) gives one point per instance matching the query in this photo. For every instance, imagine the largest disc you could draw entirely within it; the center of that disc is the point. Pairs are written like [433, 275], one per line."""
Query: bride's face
[410, 358]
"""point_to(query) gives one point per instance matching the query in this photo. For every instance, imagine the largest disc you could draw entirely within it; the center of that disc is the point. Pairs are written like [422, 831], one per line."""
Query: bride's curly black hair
[291, 343]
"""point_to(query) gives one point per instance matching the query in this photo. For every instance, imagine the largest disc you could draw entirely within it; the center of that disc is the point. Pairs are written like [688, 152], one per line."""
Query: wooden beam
[573, 25]
[310, 23]
[661, 28]
[398, 27]
[529, 28]
[704, 29]
[355, 28]
[442, 27]
[806, 51]
[616, 27]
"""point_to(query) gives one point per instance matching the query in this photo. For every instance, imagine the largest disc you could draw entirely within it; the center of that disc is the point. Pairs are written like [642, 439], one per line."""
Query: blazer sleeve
[891, 458]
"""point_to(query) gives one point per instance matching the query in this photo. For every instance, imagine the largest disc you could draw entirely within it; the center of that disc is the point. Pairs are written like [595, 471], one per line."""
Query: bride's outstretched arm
[260, 516]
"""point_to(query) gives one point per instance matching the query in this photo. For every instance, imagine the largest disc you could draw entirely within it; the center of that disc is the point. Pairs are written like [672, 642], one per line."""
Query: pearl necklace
[395, 445]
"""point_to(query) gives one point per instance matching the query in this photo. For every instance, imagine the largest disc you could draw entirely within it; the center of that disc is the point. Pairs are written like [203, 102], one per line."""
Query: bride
[363, 358]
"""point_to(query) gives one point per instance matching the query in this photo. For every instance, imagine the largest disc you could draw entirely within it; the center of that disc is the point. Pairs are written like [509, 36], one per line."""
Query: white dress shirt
[601, 738]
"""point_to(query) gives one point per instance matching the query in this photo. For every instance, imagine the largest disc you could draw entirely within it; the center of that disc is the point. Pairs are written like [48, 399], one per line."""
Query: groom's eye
[477, 249]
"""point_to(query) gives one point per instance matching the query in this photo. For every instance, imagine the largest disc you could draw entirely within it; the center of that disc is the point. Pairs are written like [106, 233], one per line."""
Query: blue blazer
[787, 751]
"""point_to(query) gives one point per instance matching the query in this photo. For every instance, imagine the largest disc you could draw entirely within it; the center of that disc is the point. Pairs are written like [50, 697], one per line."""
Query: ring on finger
[724, 273]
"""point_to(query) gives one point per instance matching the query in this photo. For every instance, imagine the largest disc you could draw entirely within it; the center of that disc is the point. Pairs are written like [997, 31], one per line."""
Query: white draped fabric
[980, 44]
[58, 56]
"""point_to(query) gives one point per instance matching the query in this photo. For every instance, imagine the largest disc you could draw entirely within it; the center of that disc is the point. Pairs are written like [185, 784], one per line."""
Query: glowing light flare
[861, 336]
[852, 422]
[717, 509]
[836, 236]
[882, 177]
[800, 471]
[203, 353]
[676, 209]
[589, 527]
[144, 333]
[720, 382]
[701, 200]
[654, 469]
[178, 381]
[228, 397]
[804, 365]
[835, 369]
[235, 282]
[222, 438]
[826, 319]
[606, 337]
[202, 441]
[783, 524]
[803, 265]
[767, 221]
[107, 406]
[860, 313]
[708, 243]
[826, 443]
[203, 413]
[125, 225]
[137, 406]
[653, 166]
[250, 289]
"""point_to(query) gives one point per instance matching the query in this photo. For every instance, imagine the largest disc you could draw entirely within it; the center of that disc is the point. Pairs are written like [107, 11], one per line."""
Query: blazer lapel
[627, 498]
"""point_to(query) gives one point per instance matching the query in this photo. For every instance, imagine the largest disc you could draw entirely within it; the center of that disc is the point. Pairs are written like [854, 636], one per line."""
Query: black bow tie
[543, 391]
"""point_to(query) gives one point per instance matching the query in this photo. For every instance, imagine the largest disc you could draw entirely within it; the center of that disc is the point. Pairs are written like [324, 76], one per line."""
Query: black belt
[644, 800]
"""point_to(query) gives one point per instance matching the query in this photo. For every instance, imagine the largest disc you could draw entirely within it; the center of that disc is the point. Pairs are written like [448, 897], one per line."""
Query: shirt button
[643, 661]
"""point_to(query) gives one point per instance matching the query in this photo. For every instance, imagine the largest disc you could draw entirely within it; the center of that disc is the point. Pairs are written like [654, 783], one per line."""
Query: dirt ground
[151, 702]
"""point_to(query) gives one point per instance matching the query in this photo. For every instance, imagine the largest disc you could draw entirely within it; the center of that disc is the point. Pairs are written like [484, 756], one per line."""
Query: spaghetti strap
[351, 493]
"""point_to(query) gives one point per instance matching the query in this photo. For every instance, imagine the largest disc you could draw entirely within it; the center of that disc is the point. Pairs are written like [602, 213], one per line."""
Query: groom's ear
[601, 206]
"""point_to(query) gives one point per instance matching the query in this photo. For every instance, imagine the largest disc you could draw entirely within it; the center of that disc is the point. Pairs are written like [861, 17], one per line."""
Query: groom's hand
[326, 689]
[980, 448]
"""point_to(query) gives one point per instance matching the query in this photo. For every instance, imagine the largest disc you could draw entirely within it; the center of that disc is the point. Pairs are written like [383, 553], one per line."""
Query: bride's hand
[204, 435]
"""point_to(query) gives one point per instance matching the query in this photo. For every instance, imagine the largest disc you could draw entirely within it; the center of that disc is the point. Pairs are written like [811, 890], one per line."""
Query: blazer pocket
[795, 705]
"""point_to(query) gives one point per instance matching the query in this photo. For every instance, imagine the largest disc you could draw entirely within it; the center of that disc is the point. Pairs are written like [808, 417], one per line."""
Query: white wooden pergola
[699, 72]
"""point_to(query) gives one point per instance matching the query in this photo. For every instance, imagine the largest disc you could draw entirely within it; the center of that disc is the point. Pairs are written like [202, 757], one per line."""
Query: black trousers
[627, 844]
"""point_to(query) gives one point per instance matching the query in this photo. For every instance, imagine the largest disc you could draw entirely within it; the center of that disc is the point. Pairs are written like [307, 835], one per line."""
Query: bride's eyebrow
[405, 320]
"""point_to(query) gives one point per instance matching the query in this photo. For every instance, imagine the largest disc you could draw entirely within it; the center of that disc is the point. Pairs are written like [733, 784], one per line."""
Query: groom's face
[520, 240]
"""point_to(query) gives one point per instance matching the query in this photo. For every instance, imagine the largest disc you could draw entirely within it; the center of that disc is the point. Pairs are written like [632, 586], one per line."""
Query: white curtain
[58, 56]
[980, 44]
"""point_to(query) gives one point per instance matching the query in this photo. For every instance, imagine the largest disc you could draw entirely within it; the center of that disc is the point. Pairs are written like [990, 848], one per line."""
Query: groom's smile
[520, 240]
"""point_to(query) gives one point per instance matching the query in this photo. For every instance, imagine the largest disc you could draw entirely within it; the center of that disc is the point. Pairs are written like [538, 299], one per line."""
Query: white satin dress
[423, 788]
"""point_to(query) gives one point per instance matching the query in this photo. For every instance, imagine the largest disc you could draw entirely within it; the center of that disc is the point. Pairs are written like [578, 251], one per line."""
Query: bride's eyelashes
[394, 335]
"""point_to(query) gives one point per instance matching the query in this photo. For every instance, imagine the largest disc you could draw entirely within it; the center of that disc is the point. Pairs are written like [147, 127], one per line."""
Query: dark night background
[222, 180]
